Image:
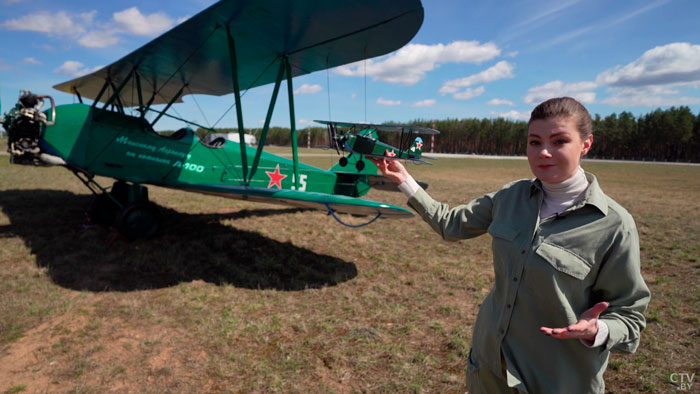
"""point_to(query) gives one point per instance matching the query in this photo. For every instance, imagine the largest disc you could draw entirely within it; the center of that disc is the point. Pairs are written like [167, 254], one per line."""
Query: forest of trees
[662, 135]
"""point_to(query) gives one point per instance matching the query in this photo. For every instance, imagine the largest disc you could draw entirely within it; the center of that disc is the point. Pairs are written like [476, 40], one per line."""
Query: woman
[568, 288]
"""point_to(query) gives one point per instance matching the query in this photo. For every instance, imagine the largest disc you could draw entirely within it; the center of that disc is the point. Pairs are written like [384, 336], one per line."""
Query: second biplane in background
[232, 46]
[361, 139]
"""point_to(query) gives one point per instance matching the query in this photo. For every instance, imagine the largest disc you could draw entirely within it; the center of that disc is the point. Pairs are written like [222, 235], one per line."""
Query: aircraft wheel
[360, 165]
[343, 161]
[138, 220]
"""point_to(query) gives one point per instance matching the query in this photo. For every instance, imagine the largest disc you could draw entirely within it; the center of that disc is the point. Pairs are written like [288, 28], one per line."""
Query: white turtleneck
[560, 196]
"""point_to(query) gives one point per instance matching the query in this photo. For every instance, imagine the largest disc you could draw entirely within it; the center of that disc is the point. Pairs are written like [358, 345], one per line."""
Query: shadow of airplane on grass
[190, 247]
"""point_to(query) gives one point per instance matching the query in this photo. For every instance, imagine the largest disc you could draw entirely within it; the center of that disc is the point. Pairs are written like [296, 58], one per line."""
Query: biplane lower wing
[380, 182]
[402, 156]
[321, 201]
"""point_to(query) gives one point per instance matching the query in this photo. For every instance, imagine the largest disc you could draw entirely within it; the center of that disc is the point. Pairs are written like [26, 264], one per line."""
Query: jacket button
[522, 251]
[515, 279]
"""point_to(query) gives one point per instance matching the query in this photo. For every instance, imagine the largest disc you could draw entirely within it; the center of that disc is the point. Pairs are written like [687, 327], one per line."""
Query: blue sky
[481, 59]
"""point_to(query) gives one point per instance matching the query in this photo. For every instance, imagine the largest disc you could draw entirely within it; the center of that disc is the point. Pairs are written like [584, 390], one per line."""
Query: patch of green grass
[16, 389]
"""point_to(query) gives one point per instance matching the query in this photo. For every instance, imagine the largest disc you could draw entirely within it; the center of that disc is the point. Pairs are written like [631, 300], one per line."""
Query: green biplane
[233, 45]
[361, 139]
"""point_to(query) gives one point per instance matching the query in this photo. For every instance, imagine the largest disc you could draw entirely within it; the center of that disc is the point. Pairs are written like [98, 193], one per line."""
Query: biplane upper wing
[381, 127]
[312, 35]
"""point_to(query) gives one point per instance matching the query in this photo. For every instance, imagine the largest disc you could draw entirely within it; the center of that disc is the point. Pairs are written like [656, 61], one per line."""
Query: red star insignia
[419, 145]
[390, 153]
[275, 177]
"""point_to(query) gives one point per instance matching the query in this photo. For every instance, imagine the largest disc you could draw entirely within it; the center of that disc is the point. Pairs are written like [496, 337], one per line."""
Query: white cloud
[30, 60]
[74, 69]
[52, 23]
[648, 96]
[669, 64]
[99, 39]
[515, 115]
[308, 89]
[500, 102]
[3, 66]
[390, 103]
[654, 79]
[581, 91]
[469, 93]
[410, 64]
[81, 27]
[642, 100]
[132, 21]
[500, 70]
[424, 103]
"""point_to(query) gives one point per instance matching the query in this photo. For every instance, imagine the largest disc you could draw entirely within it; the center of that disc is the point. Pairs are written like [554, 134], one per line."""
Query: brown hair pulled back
[565, 107]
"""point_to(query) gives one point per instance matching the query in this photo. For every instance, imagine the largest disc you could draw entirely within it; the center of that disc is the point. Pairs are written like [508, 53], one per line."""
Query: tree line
[672, 134]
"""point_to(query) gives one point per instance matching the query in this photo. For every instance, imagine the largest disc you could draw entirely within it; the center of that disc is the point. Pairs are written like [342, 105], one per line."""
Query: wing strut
[115, 94]
[237, 92]
[292, 123]
[148, 105]
[99, 95]
[138, 89]
[266, 126]
[172, 101]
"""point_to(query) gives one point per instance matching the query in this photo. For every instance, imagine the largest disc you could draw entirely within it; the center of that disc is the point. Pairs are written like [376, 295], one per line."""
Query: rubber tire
[140, 220]
[360, 165]
[343, 161]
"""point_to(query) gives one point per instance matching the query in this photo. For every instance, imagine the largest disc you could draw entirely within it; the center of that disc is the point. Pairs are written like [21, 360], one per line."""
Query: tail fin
[417, 147]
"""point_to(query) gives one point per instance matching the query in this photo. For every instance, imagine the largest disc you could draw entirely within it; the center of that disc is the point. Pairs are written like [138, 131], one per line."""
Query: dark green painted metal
[292, 122]
[126, 148]
[268, 117]
[237, 93]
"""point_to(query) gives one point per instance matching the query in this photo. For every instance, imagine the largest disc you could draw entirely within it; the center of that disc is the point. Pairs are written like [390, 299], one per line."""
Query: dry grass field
[239, 297]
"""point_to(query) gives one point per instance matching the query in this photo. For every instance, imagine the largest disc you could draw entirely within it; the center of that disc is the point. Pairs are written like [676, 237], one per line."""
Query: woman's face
[555, 148]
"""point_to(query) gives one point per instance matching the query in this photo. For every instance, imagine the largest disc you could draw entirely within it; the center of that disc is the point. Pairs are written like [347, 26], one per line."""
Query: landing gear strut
[126, 208]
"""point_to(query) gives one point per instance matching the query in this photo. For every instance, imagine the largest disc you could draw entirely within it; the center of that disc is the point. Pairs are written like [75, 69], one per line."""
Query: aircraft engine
[24, 125]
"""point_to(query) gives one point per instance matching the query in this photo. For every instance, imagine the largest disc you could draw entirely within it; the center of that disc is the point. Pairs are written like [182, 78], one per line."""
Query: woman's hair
[564, 107]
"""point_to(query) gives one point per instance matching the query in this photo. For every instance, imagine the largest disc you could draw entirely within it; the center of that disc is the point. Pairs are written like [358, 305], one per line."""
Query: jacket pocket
[503, 231]
[564, 260]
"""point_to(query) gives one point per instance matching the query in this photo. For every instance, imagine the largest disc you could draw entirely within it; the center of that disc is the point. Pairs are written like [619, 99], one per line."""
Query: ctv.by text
[684, 381]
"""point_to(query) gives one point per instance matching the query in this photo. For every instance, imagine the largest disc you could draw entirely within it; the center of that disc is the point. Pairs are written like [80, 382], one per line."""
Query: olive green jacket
[547, 274]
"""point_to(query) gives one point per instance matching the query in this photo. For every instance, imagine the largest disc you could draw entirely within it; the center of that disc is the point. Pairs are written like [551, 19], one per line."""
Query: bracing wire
[200, 108]
[245, 91]
[331, 211]
[328, 90]
[365, 64]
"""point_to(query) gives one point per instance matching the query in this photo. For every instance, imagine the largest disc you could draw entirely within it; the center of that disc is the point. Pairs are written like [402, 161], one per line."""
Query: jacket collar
[592, 196]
